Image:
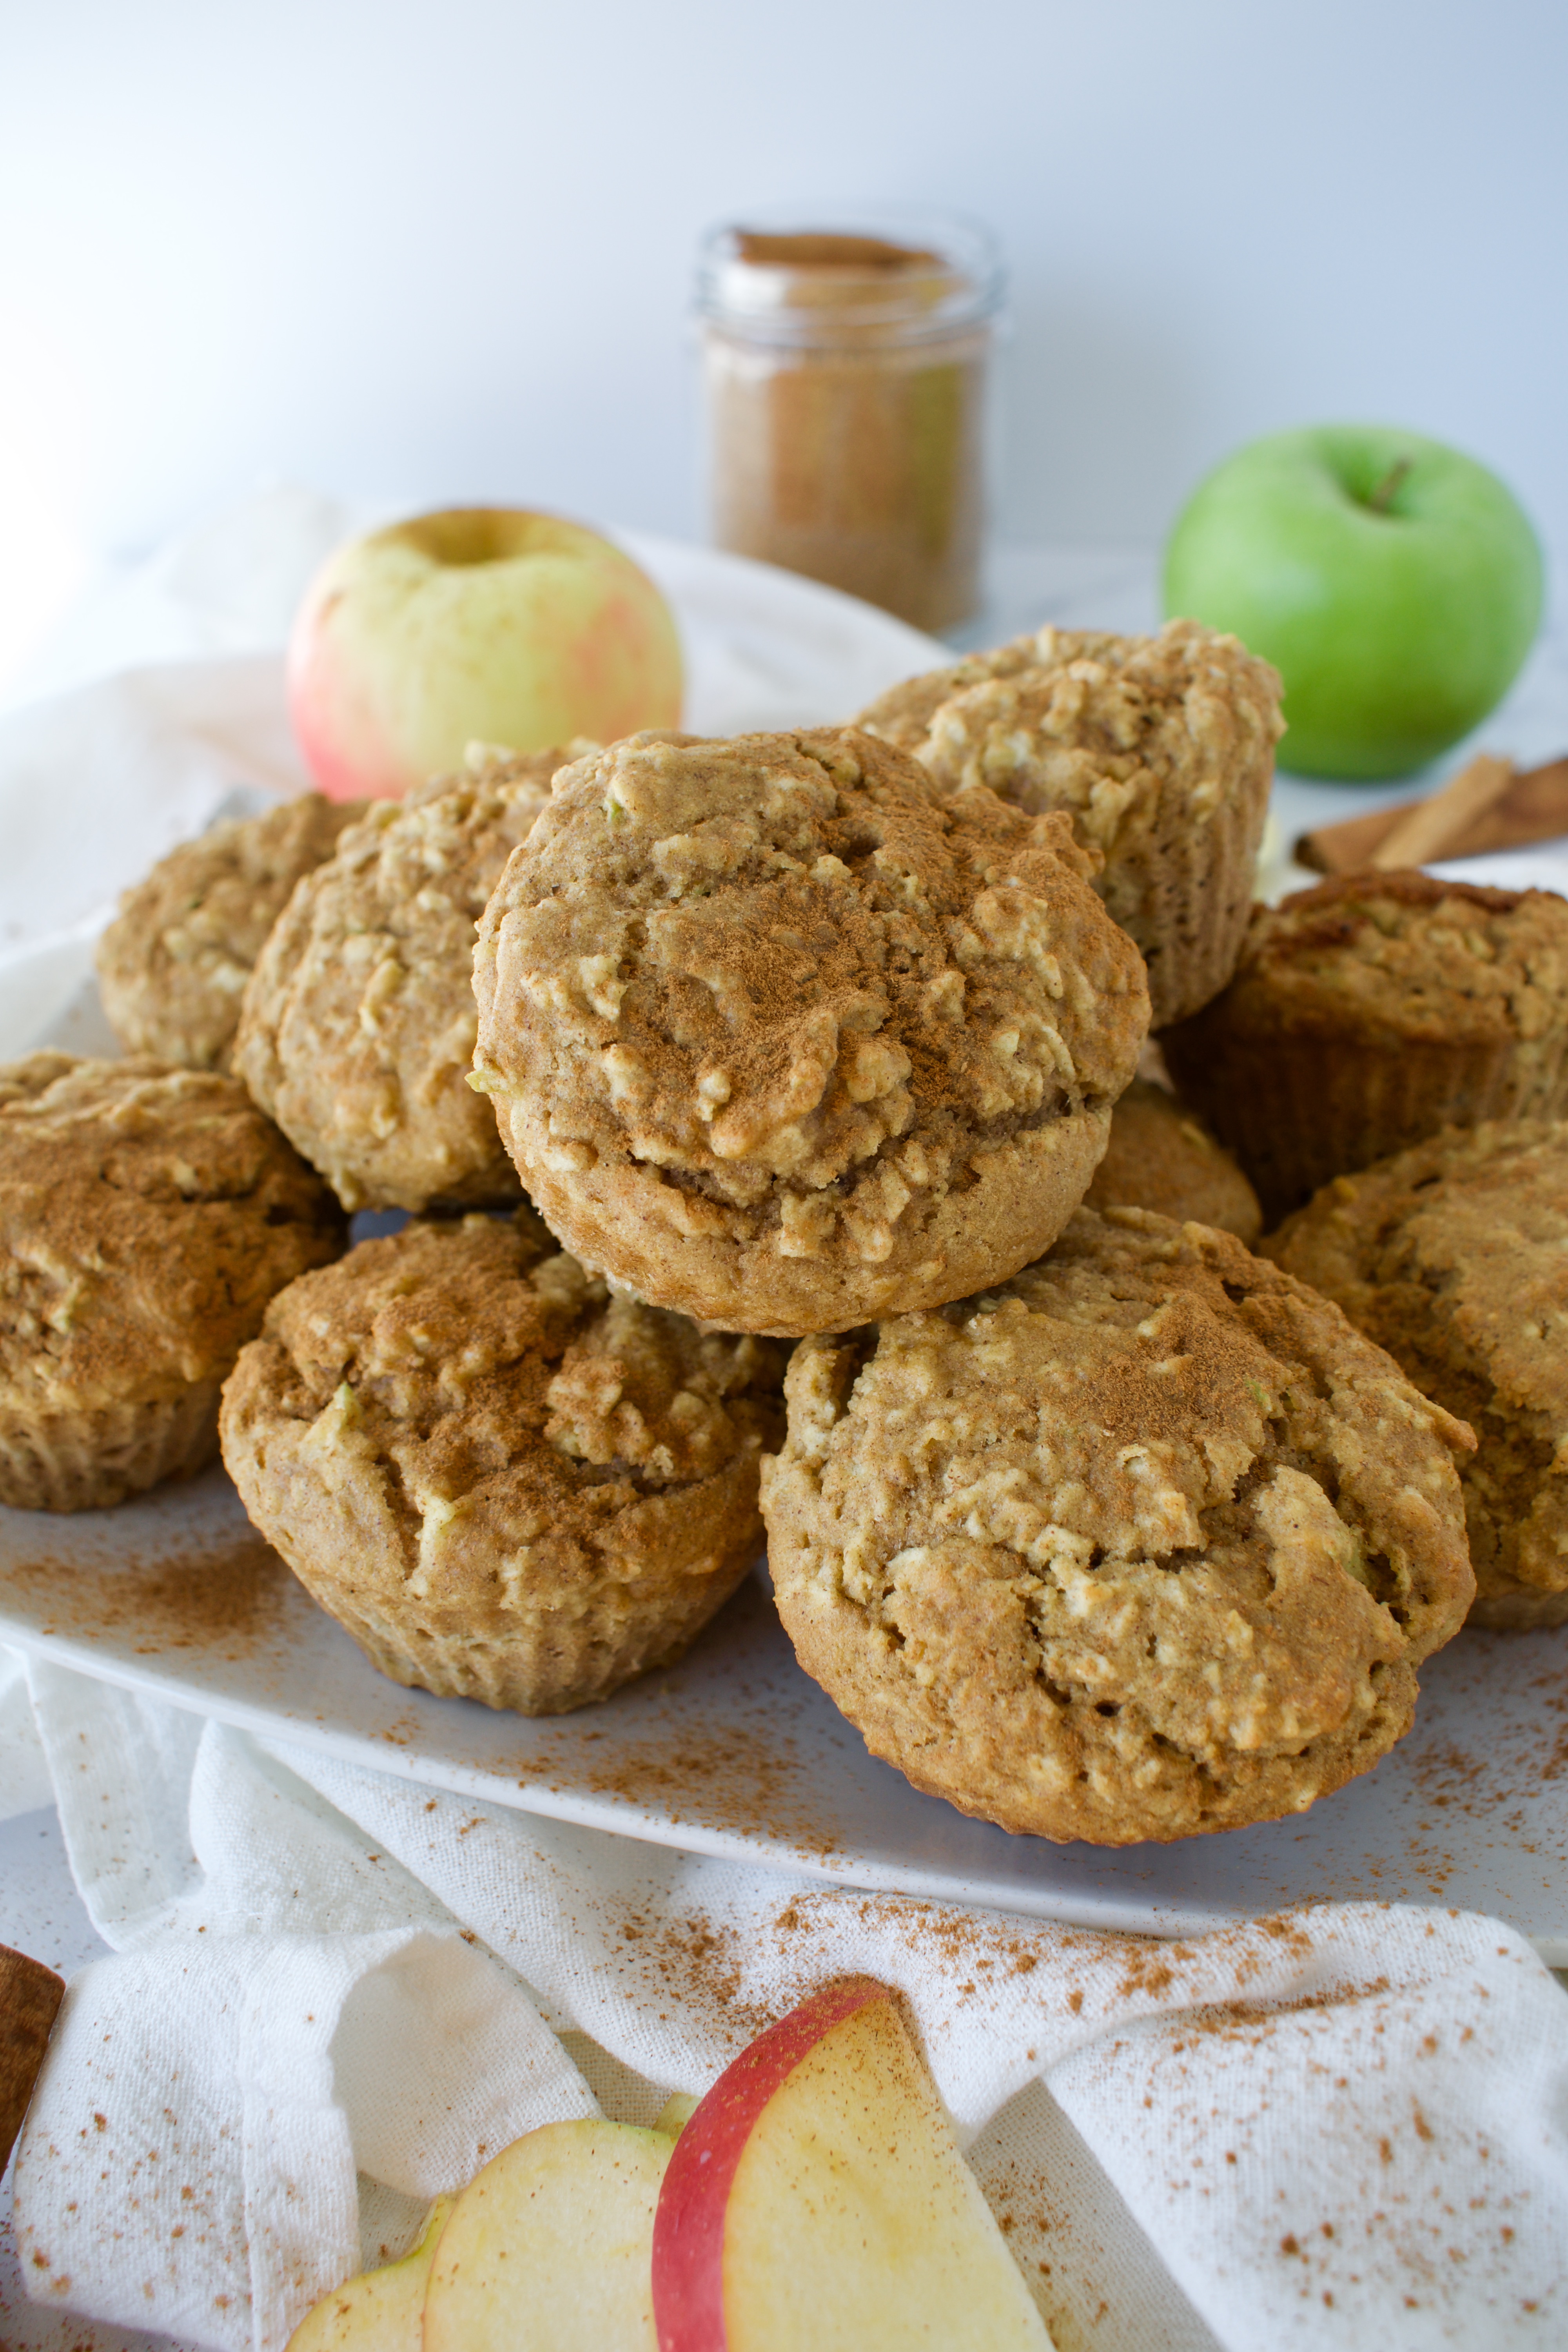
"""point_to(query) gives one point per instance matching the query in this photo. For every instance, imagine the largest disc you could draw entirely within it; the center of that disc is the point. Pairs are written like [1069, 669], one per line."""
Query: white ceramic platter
[735, 1752]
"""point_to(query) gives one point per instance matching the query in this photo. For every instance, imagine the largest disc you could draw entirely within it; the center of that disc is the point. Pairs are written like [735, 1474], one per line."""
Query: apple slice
[676, 2114]
[548, 2247]
[817, 2199]
[381, 2310]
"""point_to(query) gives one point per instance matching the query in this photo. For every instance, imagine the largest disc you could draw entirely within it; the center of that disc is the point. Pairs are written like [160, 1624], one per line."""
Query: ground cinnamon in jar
[845, 378]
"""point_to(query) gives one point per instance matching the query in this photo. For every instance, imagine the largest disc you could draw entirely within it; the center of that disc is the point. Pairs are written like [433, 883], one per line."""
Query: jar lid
[852, 277]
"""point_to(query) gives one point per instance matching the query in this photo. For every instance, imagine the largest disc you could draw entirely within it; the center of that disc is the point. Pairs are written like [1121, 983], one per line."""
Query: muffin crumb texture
[779, 1038]
[1147, 1541]
[148, 1214]
[506, 1480]
[1454, 1256]
[1159, 748]
[1396, 957]
[172, 965]
[358, 1024]
[1160, 1156]
[1375, 1010]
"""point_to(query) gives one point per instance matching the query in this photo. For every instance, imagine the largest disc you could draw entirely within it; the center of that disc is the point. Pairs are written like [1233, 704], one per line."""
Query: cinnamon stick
[1531, 806]
[1427, 830]
[29, 1996]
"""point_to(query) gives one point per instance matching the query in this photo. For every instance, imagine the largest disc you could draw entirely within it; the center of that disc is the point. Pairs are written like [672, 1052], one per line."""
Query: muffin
[1145, 1542]
[1161, 1157]
[358, 1022]
[1373, 1010]
[173, 963]
[1454, 1256]
[782, 1038]
[1162, 752]
[507, 1482]
[148, 1214]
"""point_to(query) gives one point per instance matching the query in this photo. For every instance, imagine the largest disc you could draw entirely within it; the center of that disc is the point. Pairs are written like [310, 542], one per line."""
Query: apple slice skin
[816, 2202]
[688, 2230]
[381, 2310]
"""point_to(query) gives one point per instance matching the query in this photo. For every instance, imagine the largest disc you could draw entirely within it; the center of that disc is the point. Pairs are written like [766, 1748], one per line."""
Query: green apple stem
[1387, 491]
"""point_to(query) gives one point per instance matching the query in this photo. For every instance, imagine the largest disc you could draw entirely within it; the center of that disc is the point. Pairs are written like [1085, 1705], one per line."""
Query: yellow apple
[818, 2198]
[477, 622]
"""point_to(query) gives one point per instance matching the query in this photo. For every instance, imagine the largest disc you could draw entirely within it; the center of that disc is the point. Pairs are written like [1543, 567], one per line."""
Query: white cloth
[1340, 2129]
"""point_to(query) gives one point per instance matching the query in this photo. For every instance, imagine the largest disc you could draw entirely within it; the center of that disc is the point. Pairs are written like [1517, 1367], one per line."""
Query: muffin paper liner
[554, 1662]
[1184, 891]
[1298, 1110]
[87, 1461]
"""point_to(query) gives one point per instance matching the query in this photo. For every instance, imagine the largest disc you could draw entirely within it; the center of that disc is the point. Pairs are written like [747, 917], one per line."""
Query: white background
[444, 252]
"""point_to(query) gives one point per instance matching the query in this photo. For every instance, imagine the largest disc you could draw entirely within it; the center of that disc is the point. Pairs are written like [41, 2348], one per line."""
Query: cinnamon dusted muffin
[358, 1022]
[147, 1215]
[1454, 1256]
[1145, 1542]
[1162, 752]
[507, 1482]
[1161, 1157]
[1372, 1010]
[779, 1037]
[173, 963]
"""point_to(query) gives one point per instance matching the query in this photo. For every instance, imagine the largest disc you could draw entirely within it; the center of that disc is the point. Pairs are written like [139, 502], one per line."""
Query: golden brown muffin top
[358, 1022]
[147, 1215]
[173, 963]
[1157, 1491]
[1105, 725]
[785, 972]
[1404, 955]
[477, 1357]
[1454, 1256]
[1160, 1156]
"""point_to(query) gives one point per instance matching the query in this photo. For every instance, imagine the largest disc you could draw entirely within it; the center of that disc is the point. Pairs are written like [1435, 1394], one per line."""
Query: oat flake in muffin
[1161, 1157]
[172, 965]
[1161, 750]
[1145, 1542]
[147, 1215]
[358, 1024]
[779, 1037]
[507, 1483]
[1454, 1256]
[1373, 1010]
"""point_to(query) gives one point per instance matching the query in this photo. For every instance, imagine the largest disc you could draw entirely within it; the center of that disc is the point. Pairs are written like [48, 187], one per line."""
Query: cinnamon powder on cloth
[1343, 2127]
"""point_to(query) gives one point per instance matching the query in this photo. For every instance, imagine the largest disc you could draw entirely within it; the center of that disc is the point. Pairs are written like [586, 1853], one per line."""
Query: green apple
[1396, 584]
[478, 624]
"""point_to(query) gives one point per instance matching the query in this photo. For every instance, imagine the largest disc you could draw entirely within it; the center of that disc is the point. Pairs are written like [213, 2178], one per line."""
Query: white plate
[735, 1751]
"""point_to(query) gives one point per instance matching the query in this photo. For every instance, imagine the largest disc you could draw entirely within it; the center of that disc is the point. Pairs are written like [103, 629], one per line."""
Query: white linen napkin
[1346, 2127]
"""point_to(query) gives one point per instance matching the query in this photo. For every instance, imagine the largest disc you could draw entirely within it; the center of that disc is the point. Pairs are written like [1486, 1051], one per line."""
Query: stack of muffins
[1090, 1519]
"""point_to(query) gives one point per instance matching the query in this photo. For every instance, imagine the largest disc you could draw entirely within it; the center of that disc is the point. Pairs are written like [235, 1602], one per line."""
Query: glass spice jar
[846, 374]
